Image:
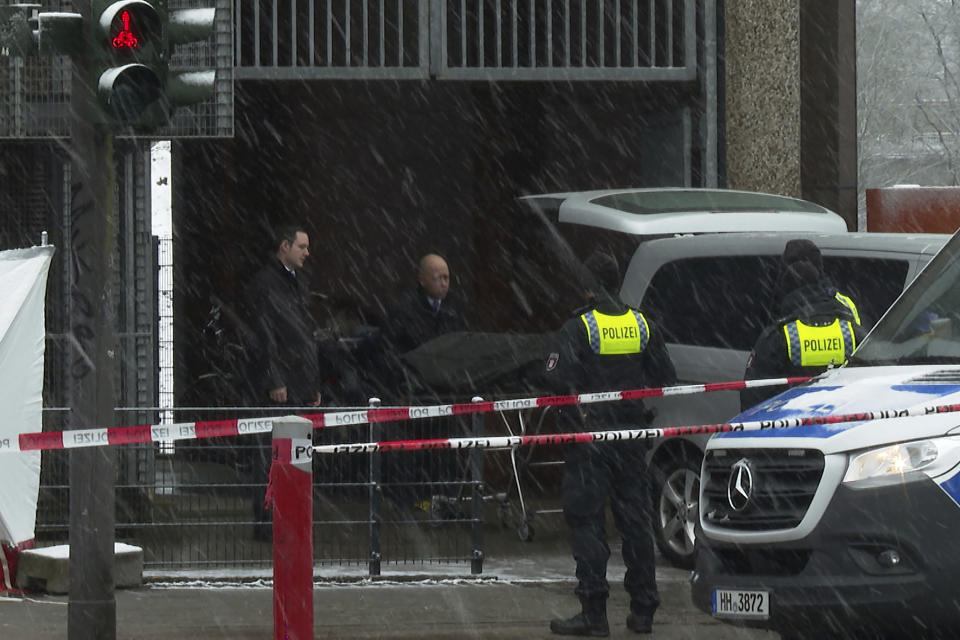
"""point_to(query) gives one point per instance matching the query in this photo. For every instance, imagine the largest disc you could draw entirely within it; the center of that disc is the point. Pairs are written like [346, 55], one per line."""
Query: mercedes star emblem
[740, 485]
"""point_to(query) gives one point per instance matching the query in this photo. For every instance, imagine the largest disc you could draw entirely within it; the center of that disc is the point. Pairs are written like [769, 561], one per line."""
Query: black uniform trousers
[593, 473]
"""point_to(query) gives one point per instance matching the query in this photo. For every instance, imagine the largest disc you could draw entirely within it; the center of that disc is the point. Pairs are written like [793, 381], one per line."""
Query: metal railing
[642, 40]
[196, 511]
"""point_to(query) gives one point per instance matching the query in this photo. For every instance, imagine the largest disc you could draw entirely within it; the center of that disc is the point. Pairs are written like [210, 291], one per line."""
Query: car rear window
[727, 301]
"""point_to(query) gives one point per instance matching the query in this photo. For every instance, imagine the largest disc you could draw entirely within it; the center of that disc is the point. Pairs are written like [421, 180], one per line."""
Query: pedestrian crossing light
[137, 86]
[130, 64]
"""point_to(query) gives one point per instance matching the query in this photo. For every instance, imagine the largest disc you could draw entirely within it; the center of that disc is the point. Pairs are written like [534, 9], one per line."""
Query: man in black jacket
[607, 346]
[427, 312]
[286, 365]
[284, 355]
[416, 317]
[815, 326]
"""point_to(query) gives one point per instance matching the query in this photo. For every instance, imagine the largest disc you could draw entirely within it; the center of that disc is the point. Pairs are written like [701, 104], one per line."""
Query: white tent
[23, 285]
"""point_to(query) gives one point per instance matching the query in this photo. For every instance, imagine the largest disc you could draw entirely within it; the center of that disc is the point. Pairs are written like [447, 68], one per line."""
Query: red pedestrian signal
[125, 39]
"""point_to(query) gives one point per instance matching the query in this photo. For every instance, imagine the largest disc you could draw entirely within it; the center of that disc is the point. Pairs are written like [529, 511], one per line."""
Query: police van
[847, 528]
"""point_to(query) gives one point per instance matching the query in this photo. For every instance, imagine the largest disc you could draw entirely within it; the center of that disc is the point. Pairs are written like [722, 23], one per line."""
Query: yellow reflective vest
[615, 335]
[819, 346]
[849, 304]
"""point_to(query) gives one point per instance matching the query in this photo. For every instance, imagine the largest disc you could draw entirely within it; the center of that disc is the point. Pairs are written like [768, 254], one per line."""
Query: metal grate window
[467, 39]
[279, 39]
[567, 39]
[34, 96]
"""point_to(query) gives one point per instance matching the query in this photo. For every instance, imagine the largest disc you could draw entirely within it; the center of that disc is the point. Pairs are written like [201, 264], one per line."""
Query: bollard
[290, 495]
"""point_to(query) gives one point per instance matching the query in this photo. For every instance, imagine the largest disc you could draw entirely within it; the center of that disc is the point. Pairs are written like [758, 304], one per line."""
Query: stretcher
[524, 466]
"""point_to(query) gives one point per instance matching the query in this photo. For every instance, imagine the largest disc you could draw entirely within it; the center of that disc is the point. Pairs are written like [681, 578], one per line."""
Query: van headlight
[891, 462]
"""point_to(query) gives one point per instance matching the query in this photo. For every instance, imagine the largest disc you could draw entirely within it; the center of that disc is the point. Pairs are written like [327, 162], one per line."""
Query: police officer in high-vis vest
[607, 346]
[816, 327]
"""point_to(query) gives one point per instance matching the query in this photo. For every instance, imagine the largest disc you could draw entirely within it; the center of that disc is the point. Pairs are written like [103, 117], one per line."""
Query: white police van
[847, 529]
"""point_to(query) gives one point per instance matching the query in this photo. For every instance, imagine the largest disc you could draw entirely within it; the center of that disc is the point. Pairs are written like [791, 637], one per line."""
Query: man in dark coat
[416, 317]
[427, 312]
[286, 366]
[284, 355]
[815, 327]
[607, 346]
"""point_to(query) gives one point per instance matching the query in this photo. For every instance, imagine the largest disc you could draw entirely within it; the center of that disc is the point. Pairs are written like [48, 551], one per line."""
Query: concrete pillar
[790, 100]
[762, 95]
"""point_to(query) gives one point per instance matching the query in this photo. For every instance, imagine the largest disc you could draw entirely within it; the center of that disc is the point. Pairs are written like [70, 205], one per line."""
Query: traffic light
[59, 33]
[189, 85]
[128, 52]
[137, 89]
[129, 63]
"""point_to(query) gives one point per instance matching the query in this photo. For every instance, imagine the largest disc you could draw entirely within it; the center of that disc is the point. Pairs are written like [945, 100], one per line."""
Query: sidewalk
[515, 597]
[523, 585]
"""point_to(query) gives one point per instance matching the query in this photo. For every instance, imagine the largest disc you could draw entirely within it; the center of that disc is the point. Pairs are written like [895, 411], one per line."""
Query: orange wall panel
[914, 209]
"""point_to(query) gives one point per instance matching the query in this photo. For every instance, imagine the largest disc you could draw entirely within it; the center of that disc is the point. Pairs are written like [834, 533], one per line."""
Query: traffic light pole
[92, 603]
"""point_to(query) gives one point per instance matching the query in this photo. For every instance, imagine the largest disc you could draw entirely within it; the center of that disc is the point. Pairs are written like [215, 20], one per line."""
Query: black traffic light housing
[129, 63]
[125, 48]
[136, 88]
[189, 86]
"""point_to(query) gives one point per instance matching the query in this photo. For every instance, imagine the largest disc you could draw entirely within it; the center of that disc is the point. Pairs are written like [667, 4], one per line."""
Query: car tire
[675, 498]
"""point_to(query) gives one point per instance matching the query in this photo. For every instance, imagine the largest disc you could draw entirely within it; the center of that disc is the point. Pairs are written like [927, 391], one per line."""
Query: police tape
[580, 437]
[160, 433]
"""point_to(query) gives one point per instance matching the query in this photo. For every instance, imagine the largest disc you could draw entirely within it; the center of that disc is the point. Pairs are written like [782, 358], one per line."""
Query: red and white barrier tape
[625, 434]
[242, 426]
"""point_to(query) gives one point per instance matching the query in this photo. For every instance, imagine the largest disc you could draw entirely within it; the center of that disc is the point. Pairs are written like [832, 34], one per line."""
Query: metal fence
[375, 510]
[34, 96]
[642, 40]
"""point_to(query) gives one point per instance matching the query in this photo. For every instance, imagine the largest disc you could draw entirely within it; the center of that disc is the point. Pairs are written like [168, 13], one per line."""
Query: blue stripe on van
[930, 389]
[790, 404]
[952, 487]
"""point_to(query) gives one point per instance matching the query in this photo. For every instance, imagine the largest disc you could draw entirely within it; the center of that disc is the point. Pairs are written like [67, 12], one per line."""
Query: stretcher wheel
[525, 531]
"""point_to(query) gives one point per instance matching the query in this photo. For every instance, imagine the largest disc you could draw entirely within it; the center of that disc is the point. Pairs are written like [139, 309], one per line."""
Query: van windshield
[923, 325]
